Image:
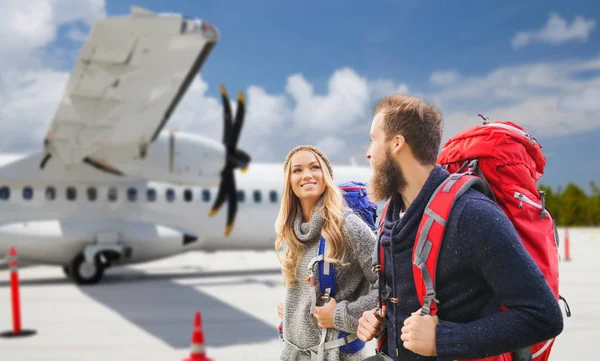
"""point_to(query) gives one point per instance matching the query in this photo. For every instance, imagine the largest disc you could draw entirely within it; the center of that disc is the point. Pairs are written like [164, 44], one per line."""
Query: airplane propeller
[234, 158]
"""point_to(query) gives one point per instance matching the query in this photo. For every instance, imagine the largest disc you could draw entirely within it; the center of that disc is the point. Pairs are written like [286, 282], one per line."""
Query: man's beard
[387, 179]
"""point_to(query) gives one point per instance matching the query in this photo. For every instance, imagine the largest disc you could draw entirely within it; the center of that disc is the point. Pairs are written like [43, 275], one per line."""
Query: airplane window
[206, 195]
[112, 194]
[273, 196]
[257, 196]
[188, 195]
[50, 193]
[240, 196]
[151, 194]
[27, 193]
[92, 194]
[132, 194]
[71, 193]
[170, 195]
[5, 193]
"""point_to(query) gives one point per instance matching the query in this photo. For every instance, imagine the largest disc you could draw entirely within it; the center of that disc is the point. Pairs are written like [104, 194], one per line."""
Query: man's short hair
[420, 123]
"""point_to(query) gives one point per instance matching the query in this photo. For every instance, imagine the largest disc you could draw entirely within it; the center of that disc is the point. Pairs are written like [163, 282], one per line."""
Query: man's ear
[398, 143]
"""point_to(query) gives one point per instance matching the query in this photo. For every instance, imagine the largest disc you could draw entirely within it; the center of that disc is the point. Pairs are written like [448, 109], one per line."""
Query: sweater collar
[414, 213]
[311, 230]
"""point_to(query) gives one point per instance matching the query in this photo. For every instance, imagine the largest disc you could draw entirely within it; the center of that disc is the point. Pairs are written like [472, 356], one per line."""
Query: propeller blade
[234, 158]
[222, 193]
[243, 157]
[227, 125]
[232, 206]
[239, 122]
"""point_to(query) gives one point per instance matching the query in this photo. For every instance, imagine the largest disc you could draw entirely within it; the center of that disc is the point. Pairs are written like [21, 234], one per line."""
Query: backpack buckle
[426, 310]
[430, 297]
[326, 297]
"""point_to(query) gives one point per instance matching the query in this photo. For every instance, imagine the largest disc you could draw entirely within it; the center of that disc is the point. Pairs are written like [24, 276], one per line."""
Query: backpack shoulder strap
[379, 264]
[431, 233]
[326, 274]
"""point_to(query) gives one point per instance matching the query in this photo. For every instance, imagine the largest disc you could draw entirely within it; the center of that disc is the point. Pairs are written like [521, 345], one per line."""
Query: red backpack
[504, 162]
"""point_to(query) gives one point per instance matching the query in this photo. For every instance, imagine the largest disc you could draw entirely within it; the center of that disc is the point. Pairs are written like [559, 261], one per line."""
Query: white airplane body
[112, 187]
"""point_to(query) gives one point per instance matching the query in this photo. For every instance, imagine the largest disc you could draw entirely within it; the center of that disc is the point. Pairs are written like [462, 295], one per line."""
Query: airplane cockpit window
[5, 193]
[206, 195]
[50, 193]
[27, 193]
[92, 194]
[240, 196]
[170, 195]
[112, 194]
[257, 196]
[71, 193]
[188, 195]
[273, 196]
[151, 194]
[132, 194]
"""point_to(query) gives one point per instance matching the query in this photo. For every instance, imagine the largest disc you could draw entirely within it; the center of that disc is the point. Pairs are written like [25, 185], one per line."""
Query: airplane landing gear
[84, 272]
[88, 266]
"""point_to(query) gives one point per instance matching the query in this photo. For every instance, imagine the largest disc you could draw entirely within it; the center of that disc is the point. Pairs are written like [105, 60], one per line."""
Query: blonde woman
[312, 206]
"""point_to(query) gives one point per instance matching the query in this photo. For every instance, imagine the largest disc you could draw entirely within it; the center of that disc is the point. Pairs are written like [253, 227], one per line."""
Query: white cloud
[548, 98]
[444, 77]
[77, 34]
[587, 100]
[346, 102]
[28, 26]
[331, 145]
[28, 101]
[556, 31]
[382, 87]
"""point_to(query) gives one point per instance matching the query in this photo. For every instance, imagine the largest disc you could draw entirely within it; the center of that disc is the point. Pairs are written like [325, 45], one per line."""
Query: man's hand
[325, 314]
[418, 334]
[369, 325]
[280, 309]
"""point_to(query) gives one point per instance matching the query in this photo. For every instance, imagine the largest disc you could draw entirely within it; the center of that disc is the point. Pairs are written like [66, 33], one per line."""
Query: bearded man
[481, 265]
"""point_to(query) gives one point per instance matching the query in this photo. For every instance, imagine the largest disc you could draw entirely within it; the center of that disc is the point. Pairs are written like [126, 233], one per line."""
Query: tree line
[571, 206]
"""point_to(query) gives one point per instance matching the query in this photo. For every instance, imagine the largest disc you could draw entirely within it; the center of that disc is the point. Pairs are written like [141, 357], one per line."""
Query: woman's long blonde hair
[332, 210]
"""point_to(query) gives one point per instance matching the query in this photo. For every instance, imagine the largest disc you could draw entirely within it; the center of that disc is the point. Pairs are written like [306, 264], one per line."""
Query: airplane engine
[86, 248]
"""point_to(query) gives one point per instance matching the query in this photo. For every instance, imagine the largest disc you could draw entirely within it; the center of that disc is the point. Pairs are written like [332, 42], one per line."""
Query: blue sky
[304, 64]
[263, 42]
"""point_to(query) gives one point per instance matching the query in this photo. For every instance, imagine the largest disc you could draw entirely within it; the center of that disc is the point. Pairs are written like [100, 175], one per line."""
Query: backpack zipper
[516, 130]
[523, 198]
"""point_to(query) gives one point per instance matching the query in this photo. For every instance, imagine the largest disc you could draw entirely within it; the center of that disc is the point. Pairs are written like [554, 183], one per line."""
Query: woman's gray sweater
[354, 293]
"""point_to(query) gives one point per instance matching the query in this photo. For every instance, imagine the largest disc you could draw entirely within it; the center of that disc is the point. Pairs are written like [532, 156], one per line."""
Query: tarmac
[146, 311]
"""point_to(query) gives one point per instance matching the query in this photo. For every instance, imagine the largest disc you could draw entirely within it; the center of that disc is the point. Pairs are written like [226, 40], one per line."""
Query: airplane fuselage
[49, 219]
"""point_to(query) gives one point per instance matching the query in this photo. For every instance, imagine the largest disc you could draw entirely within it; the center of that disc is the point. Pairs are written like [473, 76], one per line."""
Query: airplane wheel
[85, 273]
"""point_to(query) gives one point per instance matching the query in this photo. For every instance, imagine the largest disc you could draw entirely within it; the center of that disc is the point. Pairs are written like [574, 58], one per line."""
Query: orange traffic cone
[17, 331]
[567, 245]
[197, 349]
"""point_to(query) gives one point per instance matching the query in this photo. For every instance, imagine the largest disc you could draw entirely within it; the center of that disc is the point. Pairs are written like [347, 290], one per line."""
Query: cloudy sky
[312, 70]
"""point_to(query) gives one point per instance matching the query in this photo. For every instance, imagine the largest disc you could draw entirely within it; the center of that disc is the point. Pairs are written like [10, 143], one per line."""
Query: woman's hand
[280, 309]
[325, 314]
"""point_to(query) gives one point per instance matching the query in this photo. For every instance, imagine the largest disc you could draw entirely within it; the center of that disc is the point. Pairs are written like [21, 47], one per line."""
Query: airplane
[111, 186]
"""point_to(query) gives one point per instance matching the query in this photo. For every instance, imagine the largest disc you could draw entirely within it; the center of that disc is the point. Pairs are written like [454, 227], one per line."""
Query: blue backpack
[355, 194]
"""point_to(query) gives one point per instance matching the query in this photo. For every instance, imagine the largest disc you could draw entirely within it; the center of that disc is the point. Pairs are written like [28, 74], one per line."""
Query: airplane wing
[130, 75]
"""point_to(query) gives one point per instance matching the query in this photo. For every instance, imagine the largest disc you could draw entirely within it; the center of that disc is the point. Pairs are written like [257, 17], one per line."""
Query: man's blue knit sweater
[482, 264]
